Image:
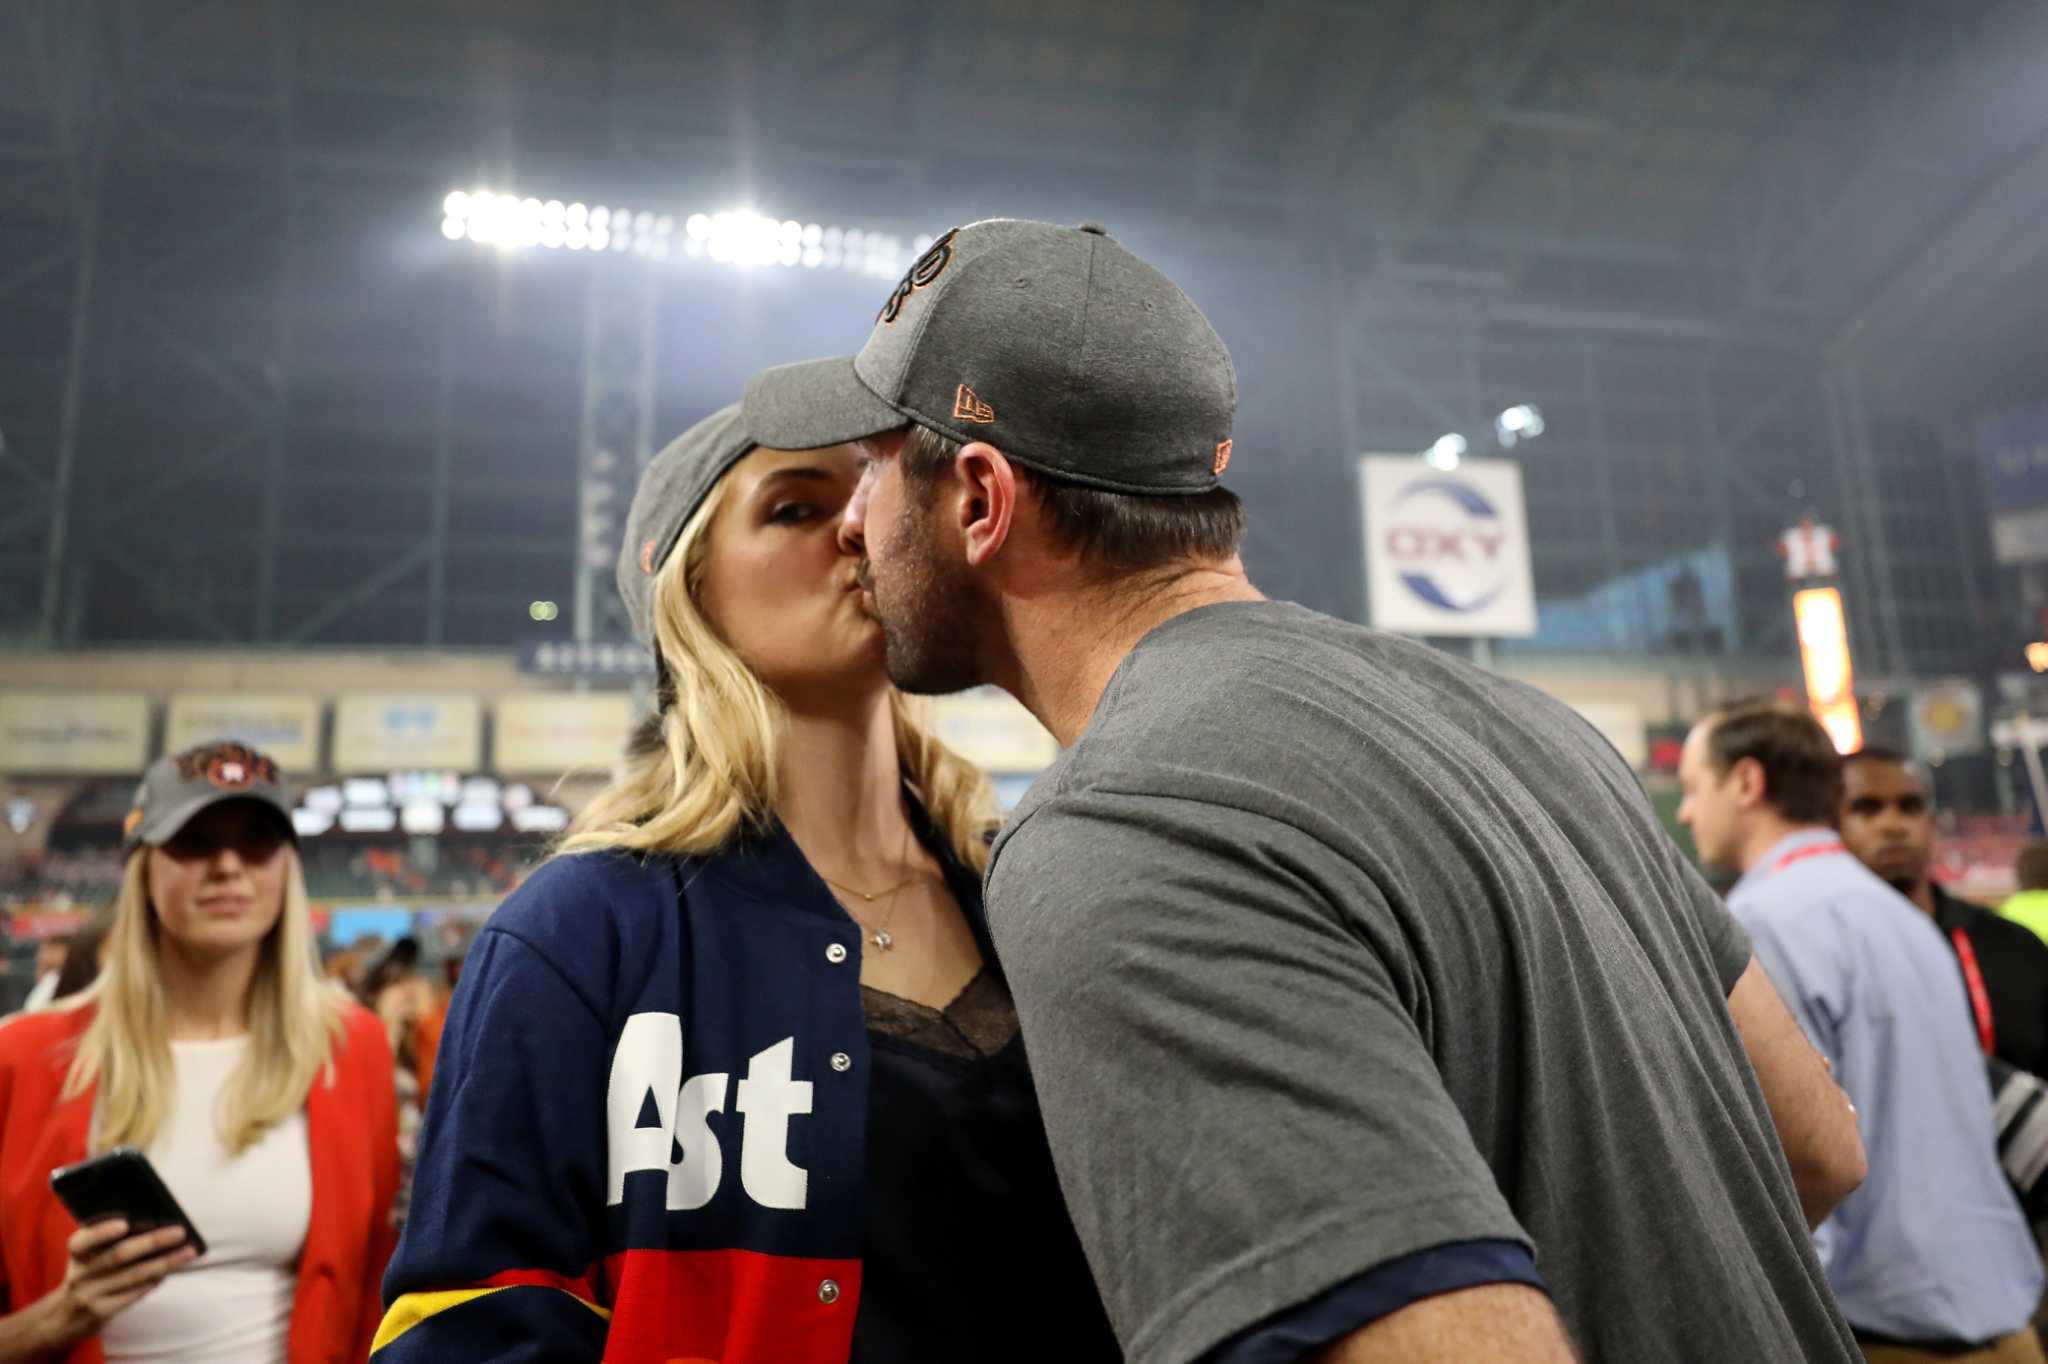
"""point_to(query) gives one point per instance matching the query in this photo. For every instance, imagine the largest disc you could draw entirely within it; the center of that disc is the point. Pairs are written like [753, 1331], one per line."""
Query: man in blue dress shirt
[1931, 1257]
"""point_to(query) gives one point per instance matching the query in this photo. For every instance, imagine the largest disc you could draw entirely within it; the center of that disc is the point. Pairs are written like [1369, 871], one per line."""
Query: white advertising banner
[1447, 552]
[2020, 537]
[81, 733]
[285, 727]
[549, 733]
[395, 731]
[1622, 724]
[992, 731]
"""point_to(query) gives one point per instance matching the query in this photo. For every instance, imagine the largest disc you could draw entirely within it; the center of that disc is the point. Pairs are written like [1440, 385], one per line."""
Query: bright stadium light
[1445, 454]
[741, 237]
[1520, 422]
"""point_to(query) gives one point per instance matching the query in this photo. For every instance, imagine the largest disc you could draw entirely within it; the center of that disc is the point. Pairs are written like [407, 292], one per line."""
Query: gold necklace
[879, 934]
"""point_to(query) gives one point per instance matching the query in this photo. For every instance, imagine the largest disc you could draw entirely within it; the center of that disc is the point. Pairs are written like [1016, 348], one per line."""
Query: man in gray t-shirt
[1370, 1010]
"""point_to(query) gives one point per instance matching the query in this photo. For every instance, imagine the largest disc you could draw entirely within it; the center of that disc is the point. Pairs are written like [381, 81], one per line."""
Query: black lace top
[968, 1253]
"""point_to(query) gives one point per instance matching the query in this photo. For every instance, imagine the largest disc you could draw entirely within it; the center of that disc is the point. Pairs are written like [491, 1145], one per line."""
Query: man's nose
[853, 538]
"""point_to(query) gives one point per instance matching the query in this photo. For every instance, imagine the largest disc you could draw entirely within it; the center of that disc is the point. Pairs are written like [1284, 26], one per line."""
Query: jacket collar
[767, 864]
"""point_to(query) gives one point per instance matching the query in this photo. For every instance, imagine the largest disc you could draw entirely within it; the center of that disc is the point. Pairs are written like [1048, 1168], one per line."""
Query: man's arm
[1815, 1121]
[1493, 1321]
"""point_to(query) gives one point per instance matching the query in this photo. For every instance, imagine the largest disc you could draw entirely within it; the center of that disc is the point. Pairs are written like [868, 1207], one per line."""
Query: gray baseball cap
[177, 787]
[674, 484]
[1054, 344]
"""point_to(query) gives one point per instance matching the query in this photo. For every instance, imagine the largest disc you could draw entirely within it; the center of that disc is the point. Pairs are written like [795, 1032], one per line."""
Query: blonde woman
[261, 1096]
[735, 1076]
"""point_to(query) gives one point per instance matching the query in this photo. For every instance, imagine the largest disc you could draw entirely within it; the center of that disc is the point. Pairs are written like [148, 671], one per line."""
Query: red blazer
[352, 1145]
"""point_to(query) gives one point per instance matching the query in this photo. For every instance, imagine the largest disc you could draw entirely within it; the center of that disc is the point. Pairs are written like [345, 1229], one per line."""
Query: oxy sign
[1447, 553]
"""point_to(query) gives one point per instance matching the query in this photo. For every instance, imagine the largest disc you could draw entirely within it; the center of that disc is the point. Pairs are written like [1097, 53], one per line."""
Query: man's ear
[988, 489]
[1750, 787]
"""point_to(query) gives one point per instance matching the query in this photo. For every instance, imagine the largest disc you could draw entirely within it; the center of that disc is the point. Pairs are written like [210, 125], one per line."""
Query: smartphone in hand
[122, 1183]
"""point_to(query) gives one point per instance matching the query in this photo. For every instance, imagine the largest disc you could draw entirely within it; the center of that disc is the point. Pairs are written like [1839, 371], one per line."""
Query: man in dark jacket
[1888, 821]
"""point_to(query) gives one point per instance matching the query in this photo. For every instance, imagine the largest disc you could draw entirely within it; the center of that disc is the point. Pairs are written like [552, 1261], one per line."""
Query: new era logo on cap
[969, 408]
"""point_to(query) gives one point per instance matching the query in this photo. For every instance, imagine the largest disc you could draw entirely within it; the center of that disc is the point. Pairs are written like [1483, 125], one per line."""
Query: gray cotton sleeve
[1242, 1110]
[1727, 940]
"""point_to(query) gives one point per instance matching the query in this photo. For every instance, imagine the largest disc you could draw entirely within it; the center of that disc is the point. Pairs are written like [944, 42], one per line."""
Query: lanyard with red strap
[1980, 1000]
[1801, 854]
[1966, 955]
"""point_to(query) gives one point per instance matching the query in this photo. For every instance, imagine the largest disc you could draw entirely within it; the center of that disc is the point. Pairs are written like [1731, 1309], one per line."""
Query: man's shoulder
[1993, 930]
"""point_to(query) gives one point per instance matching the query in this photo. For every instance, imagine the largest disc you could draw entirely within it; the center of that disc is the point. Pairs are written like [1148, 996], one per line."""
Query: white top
[40, 995]
[233, 1305]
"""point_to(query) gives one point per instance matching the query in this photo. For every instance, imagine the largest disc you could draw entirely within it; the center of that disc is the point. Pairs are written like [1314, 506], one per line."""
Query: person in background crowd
[1887, 820]
[1931, 1257]
[51, 954]
[261, 1096]
[735, 1074]
[85, 955]
[1349, 972]
[2028, 906]
[401, 997]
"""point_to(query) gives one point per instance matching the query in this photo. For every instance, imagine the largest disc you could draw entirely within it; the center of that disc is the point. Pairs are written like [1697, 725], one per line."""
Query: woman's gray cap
[1053, 344]
[178, 786]
[674, 484]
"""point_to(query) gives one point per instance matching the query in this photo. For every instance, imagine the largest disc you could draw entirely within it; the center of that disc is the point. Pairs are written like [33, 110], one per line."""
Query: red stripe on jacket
[730, 1306]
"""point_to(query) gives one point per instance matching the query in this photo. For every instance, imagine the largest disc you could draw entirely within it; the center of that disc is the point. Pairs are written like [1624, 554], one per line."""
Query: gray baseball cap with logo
[1053, 344]
[178, 787]
[674, 484]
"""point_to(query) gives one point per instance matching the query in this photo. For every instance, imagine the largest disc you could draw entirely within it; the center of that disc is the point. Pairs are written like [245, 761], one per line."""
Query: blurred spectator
[2029, 905]
[402, 998]
[1931, 1257]
[1887, 820]
[51, 954]
[85, 955]
[350, 967]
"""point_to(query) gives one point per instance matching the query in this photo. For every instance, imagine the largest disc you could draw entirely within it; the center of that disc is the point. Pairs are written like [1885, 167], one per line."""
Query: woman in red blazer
[260, 1094]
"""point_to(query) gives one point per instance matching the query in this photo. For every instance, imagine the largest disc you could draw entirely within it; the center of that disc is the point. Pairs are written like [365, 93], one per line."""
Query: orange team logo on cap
[647, 557]
[968, 406]
[1222, 456]
[229, 766]
[230, 773]
[132, 822]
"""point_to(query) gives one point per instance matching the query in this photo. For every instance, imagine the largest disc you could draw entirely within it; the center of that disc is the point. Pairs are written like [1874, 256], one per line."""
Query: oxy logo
[655, 1119]
[1447, 541]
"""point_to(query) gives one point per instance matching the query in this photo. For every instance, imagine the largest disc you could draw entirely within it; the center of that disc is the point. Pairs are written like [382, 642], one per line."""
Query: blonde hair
[707, 773]
[295, 1019]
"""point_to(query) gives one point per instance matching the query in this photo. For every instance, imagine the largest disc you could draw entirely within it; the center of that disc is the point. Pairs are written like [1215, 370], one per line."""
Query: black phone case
[122, 1183]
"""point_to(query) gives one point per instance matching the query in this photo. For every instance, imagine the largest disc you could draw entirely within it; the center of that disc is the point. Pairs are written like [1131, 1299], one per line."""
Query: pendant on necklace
[883, 942]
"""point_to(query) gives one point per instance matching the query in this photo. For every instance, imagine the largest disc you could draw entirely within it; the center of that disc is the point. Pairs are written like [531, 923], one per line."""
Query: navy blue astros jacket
[645, 1137]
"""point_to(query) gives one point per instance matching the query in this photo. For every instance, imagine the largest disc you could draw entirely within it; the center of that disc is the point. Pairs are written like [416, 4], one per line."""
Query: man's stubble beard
[930, 619]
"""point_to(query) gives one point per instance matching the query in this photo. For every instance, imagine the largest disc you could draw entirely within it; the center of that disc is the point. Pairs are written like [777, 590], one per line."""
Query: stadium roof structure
[1750, 258]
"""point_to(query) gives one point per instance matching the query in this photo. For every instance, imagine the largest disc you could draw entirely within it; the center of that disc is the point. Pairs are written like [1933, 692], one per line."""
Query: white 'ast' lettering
[649, 1060]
